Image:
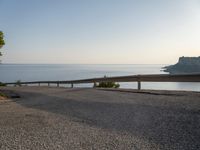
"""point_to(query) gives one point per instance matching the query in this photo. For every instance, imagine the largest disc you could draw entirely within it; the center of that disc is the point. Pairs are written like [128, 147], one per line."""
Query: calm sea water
[14, 72]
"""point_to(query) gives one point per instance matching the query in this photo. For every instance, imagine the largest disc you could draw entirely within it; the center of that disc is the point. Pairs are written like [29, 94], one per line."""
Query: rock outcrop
[185, 65]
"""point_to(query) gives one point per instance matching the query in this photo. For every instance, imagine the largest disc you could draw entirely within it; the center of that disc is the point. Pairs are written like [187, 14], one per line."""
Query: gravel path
[60, 118]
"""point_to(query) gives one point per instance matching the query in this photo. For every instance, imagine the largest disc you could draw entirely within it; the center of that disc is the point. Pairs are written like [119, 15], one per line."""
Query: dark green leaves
[2, 42]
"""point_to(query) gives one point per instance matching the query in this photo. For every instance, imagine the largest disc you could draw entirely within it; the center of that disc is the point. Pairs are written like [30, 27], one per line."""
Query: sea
[56, 72]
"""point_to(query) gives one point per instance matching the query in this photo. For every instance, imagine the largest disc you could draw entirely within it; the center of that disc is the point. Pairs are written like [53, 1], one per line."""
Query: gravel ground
[61, 118]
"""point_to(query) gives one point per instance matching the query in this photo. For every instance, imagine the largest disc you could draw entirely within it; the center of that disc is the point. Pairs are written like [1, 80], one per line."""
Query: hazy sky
[100, 31]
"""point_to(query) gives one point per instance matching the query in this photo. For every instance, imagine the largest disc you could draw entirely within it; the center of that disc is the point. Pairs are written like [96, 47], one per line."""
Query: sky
[99, 31]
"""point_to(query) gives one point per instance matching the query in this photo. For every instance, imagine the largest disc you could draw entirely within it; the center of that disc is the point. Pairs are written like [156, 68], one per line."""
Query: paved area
[60, 118]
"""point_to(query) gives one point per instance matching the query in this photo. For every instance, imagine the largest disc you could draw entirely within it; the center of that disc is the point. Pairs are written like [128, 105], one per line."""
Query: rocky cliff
[185, 65]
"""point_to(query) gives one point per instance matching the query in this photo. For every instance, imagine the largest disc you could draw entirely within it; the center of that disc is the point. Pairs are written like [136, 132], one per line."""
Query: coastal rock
[185, 65]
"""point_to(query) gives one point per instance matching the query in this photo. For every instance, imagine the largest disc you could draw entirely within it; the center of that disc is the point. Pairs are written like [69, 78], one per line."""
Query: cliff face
[185, 65]
[189, 60]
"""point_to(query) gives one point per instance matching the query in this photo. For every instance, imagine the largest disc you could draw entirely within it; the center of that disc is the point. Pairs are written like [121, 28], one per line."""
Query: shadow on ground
[177, 128]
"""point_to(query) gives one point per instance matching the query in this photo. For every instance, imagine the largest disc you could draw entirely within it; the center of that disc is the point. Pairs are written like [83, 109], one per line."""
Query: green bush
[18, 83]
[2, 84]
[108, 84]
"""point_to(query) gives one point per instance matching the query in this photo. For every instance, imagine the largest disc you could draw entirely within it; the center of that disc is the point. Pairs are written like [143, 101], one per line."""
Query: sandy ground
[2, 98]
[60, 118]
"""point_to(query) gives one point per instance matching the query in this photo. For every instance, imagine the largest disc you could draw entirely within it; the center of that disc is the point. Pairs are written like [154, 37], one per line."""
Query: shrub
[18, 83]
[2, 84]
[2, 94]
[108, 84]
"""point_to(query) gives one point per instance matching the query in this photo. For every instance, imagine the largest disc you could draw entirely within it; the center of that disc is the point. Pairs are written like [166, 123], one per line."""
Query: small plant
[108, 84]
[2, 94]
[18, 83]
[2, 84]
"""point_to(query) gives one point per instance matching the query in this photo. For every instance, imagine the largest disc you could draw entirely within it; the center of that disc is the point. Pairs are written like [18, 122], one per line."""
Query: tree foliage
[2, 42]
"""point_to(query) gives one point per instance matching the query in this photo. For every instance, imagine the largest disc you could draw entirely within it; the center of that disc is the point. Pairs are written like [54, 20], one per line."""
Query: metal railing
[133, 78]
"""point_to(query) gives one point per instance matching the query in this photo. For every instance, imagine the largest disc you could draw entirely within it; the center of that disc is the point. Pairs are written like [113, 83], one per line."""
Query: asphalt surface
[60, 118]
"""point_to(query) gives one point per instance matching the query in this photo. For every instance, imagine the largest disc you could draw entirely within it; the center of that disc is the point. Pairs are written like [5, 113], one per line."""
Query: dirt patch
[2, 96]
[8, 94]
